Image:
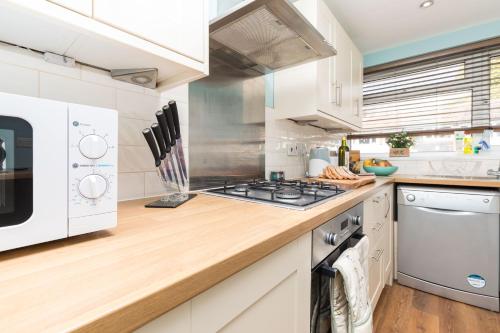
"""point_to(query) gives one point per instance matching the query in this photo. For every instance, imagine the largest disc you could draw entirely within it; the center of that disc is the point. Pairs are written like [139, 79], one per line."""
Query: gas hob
[298, 195]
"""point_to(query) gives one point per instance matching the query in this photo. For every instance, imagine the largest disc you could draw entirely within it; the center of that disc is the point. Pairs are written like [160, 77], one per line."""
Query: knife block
[171, 199]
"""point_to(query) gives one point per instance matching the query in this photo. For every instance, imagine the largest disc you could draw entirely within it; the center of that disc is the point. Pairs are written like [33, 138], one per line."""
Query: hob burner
[288, 193]
[241, 187]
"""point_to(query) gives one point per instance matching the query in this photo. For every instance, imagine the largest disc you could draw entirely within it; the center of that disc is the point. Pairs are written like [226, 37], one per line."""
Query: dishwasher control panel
[450, 198]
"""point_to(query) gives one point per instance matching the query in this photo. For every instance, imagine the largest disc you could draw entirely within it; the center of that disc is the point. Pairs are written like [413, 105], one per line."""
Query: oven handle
[325, 269]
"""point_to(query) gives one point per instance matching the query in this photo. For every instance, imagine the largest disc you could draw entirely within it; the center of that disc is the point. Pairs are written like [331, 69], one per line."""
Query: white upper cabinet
[327, 91]
[80, 6]
[171, 36]
[178, 25]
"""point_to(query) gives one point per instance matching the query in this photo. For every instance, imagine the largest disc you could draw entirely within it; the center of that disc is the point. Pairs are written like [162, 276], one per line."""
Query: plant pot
[399, 152]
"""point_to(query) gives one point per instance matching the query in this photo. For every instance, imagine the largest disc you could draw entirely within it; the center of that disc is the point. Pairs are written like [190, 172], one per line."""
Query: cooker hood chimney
[263, 36]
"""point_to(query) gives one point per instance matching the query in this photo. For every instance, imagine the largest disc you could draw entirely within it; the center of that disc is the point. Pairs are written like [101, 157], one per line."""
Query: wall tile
[153, 184]
[130, 133]
[136, 105]
[179, 94]
[76, 91]
[130, 186]
[18, 80]
[135, 159]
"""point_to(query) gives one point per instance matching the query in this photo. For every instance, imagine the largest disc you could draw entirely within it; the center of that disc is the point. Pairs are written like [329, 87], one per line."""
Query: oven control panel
[92, 158]
[328, 236]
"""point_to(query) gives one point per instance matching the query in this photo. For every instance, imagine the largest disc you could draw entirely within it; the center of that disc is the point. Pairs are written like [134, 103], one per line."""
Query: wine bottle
[344, 153]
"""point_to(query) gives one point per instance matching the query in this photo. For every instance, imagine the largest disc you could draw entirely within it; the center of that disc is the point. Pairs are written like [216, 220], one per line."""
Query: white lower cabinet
[272, 295]
[378, 223]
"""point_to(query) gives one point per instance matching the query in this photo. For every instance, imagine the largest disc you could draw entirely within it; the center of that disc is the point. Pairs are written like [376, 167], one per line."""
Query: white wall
[26, 73]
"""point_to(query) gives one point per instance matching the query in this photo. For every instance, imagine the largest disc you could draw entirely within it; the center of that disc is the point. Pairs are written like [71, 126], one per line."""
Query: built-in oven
[329, 241]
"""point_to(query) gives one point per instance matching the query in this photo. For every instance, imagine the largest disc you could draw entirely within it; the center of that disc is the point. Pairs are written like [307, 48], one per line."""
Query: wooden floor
[405, 310]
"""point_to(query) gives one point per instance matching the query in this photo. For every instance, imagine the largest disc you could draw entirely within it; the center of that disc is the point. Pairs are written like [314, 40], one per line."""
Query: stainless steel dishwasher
[448, 242]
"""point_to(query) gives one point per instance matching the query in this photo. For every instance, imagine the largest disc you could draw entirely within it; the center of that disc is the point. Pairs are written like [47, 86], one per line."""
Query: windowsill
[492, 154]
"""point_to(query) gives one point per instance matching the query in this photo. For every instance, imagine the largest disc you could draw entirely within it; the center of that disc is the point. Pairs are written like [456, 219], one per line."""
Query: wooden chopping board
[345, 183]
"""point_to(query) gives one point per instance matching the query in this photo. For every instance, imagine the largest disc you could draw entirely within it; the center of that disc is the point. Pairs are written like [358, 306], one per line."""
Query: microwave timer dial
[93, 146]
[93, 186]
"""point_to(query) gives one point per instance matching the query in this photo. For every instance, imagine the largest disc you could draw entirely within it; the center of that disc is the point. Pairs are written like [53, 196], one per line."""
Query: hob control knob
[93, 146]
[410, 197]
[331, 238]
[356, 220]
[93, 186]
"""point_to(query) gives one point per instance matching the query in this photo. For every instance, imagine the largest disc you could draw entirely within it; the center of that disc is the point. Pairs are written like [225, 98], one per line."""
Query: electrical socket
[292, 149]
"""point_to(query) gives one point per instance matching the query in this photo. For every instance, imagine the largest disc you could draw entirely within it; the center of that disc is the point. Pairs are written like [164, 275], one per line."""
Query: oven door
[320, 286]
[33, 170]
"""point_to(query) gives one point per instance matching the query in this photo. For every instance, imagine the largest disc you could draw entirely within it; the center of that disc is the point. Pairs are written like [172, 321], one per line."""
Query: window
[432, 99]
[495, 91]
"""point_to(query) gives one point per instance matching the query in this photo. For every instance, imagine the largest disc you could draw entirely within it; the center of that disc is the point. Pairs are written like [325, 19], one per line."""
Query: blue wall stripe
[435, 43]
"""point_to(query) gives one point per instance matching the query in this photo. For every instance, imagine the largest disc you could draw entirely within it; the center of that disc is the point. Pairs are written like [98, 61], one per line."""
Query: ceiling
[376, 25]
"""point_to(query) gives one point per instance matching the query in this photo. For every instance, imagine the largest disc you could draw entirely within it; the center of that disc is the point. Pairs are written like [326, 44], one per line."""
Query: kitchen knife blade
[171, 128]
[162, 121]
[148, 135]
[163, 151]
[175, 114]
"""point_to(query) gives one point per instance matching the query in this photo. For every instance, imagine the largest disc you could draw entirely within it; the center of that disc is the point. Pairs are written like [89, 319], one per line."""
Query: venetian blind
[456, 92]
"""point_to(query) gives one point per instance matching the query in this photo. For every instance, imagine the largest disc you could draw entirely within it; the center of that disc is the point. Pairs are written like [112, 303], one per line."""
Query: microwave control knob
[331, 238]
[93, 146]
[93, 186]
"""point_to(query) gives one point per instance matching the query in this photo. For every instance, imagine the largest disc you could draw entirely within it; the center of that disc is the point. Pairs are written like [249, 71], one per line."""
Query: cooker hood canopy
[263, 36]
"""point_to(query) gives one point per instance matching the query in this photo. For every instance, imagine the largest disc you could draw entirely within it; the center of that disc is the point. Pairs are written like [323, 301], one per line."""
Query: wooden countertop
[448, 180]
[116, 281]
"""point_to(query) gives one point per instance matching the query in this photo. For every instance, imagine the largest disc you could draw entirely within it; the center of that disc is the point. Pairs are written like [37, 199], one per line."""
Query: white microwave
[58, 170]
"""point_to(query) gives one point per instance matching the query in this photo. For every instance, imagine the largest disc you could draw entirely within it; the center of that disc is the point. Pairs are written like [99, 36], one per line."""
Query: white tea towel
[349, 299]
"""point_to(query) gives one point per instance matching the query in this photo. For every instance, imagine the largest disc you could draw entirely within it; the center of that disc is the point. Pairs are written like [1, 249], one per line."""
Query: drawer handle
[388, 205]
[378, 227]
[379, 254]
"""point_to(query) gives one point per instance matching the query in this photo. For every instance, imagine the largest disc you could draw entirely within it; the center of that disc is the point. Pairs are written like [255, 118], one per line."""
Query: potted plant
[400, 144]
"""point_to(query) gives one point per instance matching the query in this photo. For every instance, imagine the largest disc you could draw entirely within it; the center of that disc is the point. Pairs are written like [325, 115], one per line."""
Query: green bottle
[344, 153]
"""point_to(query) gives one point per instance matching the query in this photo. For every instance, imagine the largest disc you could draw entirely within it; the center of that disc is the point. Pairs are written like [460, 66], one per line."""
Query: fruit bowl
[380, 170]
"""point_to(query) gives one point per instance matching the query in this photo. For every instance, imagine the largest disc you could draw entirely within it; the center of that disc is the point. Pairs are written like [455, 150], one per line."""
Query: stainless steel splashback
[226, 127]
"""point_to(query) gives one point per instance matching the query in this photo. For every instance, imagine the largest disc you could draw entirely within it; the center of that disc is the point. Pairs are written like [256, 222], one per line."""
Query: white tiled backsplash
[26, 73]
[281, 133]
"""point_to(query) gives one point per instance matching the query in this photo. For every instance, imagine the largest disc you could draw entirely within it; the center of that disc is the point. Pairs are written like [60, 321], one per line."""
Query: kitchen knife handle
[159, 139]
[148, 135]
[162, 121]
[175, 114]
[170, 122]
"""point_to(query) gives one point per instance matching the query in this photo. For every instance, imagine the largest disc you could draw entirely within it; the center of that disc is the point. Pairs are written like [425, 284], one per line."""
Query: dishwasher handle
[445, 211]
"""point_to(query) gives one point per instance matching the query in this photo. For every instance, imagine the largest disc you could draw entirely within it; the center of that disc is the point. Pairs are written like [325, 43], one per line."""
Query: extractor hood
[263, 36]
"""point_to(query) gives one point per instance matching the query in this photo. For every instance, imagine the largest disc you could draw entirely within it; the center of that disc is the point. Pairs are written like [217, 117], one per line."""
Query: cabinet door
[179, 25]
[375, 274]
[341, 73]
[272, 295]
[326, 26]
[357, 86]
[177, 320]
[81, 6]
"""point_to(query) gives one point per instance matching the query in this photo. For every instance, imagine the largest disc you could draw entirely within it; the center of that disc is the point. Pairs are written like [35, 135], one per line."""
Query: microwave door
[16, 171]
